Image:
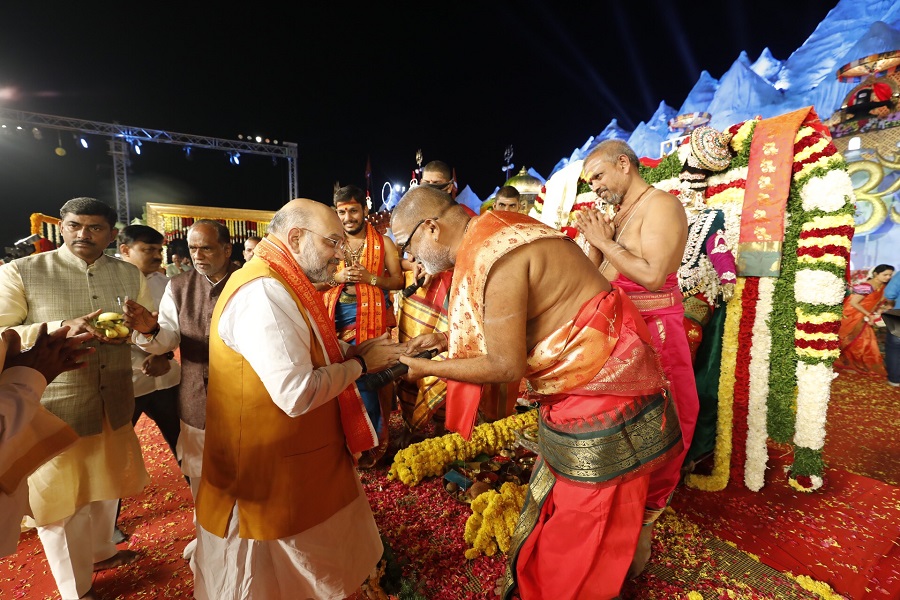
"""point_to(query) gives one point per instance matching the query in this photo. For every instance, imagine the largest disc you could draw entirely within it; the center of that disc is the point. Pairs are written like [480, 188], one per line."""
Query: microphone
[373, 381]
[411, 289]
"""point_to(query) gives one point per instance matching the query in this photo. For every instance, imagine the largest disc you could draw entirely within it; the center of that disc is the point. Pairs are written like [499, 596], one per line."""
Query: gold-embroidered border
[607, 454]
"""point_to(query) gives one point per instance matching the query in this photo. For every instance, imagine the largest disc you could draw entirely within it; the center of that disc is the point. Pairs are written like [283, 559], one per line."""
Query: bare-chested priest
[587, 354]
[639, 250]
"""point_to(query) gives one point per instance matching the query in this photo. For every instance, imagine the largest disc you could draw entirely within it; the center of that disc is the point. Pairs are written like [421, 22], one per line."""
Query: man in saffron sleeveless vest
[357, 298]
[284, 423]
[640, 251]
[605, 420]
[73, 496]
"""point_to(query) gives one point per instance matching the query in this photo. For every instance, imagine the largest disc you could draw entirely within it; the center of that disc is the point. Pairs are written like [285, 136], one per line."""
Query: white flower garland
[812, 404]
[828, 193]
[813, 286]
[757, 434]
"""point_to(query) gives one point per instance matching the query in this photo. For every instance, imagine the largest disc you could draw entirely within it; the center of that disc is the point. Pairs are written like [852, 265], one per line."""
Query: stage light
[136, 144]
[234, 158]
[187, 152]
[240, 136]
[84, 143]
[60, 151]
[36, 133]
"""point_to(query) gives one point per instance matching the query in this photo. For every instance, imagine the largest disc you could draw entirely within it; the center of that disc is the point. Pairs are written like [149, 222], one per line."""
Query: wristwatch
[374, 280]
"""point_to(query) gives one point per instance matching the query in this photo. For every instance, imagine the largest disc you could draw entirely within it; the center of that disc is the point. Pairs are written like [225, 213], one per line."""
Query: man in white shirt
[178, 253]
[155, 377]
[249, 245]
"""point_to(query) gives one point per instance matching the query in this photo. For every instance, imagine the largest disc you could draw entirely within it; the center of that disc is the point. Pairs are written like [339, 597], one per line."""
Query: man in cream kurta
[297, 525]
[74, 496]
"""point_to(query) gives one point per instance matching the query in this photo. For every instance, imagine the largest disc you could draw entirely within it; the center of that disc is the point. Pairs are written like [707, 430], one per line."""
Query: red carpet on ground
[845, 535]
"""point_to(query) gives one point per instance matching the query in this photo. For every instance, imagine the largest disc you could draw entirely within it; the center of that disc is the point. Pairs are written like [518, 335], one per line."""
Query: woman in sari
[859, 347]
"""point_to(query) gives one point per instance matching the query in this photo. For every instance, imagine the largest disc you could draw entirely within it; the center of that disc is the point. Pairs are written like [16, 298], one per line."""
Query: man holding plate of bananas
[74, 496]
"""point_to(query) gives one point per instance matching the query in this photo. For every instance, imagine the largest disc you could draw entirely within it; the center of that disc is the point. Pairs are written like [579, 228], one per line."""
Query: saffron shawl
[357, 427]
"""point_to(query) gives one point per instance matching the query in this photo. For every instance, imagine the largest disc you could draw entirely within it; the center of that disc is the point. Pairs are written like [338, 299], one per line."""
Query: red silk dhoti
[583, 542]
[663, 312]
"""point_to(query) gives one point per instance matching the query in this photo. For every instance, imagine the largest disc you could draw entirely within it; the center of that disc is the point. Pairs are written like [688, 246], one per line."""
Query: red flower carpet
[730, 544]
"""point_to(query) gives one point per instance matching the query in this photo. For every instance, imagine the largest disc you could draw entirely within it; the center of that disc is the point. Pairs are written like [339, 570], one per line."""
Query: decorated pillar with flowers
[790, 228]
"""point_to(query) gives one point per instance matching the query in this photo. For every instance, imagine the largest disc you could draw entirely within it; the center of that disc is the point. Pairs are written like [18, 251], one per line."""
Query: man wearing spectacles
[357, 300]
[284, 423]
[585, 350]
[423, 309]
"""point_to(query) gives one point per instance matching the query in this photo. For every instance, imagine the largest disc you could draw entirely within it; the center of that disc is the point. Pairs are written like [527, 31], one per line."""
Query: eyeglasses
[405, 245]
[340, 244]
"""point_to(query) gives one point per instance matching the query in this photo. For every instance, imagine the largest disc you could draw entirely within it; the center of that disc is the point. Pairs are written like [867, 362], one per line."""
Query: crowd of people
[254, 375]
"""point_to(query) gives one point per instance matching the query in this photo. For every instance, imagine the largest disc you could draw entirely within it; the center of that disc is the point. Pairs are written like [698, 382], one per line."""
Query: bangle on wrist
[362, 363]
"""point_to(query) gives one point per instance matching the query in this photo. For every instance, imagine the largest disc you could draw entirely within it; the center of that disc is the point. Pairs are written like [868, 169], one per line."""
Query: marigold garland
[494, 515]
[432, 457]
[718, 479]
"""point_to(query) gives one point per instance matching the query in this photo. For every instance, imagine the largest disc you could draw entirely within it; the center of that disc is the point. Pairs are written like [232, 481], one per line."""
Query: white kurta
[189, 448]
[20, 396]
[156, 283]
[331, 560]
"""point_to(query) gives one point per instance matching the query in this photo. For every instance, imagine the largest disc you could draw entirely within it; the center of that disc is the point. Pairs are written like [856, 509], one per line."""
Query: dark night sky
[346, 83]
